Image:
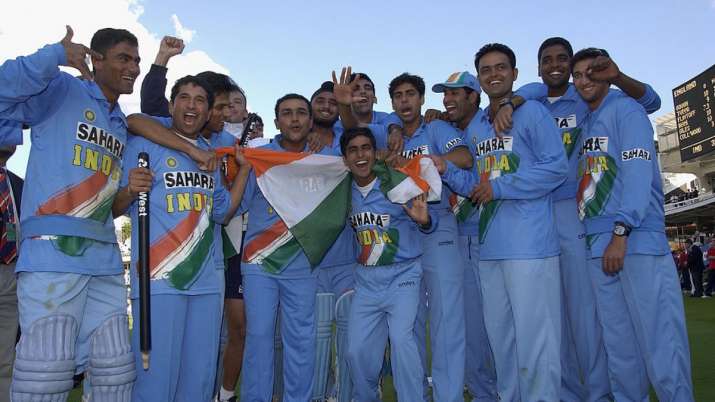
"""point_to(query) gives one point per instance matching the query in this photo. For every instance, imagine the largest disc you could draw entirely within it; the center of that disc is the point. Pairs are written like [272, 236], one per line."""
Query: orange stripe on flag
[412, 169]
[69, 199]
[173, 239]
[264, 159]
[264, 239]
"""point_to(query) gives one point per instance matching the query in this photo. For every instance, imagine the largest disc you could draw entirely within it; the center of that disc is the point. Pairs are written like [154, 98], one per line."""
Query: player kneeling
[387, 278]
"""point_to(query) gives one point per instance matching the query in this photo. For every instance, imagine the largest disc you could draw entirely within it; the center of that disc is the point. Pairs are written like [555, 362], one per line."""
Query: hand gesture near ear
[76, 55]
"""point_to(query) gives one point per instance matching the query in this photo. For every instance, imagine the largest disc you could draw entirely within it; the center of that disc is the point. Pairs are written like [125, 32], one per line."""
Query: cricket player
[70, 284]
[516, 173]
[292, 282]
[387, 278]
[187, 286]
[443, 279]
[620, 200]
[461, 96]
[584, 373]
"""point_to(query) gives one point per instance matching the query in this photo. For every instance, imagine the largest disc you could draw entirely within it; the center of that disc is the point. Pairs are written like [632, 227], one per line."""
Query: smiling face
[590, 90]
[407, 102]
[294, 120]
[360, 158]
[458, 104]
[325, 109]
[496, 76]
[364, 94]
[554, 66]
[189, 110]
[116, 72]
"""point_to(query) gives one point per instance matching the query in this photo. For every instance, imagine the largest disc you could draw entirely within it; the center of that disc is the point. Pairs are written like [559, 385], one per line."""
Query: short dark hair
[495, 47]
[553, 41]
[407, 78]
[326, 86]
[363, 76]
[351, 133]
[195, 80]
[293, 96]
[588, 53]
[107, 38]
[219, 83]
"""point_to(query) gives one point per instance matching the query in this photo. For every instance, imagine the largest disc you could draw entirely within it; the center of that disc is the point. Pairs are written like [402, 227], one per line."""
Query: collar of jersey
[95, 92]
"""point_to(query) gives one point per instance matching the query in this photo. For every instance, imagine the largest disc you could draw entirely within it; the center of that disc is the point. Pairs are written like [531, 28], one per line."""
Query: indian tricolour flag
[310, 193]
[595, 186]
[91, 198]
[462, 207]
[418, 176]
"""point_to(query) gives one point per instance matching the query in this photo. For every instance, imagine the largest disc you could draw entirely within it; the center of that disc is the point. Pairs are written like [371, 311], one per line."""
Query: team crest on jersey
[171, 162]
[594, 144]
[89, 115]
[566, 122]
[270, 210]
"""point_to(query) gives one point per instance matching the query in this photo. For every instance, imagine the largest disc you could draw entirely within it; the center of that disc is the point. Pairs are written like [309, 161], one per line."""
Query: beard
[325, 123]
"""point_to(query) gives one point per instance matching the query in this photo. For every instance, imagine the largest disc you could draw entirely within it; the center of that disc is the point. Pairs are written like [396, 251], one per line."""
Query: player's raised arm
[30, 86]
[153, 101]
[603, 68]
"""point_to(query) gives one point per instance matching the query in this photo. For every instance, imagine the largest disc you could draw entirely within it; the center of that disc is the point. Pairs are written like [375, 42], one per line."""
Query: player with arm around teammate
[185, 204]
[387, 279]
[620, 200]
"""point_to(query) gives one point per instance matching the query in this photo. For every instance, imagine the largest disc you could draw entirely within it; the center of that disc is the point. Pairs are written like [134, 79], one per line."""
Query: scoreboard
[694, 113]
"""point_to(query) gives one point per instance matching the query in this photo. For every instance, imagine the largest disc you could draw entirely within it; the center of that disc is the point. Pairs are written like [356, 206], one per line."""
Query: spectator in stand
[711, 269]
[696, 267]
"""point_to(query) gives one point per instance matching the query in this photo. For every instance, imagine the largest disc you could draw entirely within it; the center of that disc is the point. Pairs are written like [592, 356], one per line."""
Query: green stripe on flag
[465, 209]
[228, 249]
[186, 273]
[317, 232]
[389, 178]
[281, 257]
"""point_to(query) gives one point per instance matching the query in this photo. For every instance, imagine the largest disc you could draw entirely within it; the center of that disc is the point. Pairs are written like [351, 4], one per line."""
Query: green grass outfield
[700, 315]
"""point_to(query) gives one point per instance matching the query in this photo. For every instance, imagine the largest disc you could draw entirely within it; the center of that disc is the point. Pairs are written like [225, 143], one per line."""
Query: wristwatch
[621, 229]
[506, 101]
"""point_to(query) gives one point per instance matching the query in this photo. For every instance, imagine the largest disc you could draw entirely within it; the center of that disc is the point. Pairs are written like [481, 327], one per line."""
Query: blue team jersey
[185, 205]
[569, 112]
[10, 133]
[524, 166]
[217, 140]
[464, 209]
[384, 232]
[75, 163]
[377, 118]
[619, 178]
